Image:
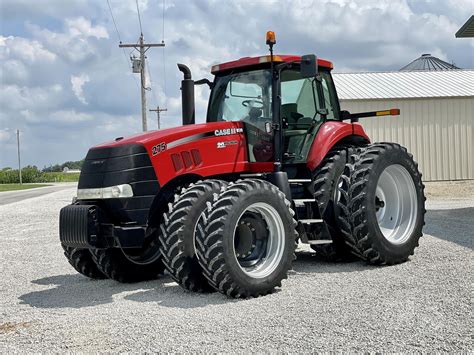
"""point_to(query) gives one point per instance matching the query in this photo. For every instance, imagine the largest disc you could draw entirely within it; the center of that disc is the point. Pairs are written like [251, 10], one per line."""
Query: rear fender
[332, 133]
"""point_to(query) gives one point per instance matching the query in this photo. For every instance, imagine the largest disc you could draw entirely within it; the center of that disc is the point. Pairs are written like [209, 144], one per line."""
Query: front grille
[125, 164]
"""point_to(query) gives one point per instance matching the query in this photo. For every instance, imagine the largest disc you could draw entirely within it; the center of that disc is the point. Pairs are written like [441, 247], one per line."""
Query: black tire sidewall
[187, 234]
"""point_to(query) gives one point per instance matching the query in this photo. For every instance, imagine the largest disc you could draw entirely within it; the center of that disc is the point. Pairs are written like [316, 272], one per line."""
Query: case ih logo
[227, 131]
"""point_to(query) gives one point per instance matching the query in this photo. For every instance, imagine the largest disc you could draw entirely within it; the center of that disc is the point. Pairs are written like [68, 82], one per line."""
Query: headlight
[117, 191]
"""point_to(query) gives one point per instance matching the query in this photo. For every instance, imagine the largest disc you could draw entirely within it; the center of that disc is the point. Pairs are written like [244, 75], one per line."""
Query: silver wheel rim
[274, 243]
[396, 204]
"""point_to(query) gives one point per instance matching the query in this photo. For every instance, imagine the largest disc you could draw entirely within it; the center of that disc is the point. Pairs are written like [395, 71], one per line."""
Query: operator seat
[296, 128]
[290, 115]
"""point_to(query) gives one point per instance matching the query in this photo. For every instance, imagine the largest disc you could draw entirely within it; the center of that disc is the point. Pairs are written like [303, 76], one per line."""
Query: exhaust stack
[187, 95]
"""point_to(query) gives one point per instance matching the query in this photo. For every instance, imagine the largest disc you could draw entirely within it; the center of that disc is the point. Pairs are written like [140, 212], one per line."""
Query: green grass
[13, 187]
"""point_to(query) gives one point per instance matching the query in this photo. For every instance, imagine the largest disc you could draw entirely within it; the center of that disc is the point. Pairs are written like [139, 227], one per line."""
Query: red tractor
[222, 205]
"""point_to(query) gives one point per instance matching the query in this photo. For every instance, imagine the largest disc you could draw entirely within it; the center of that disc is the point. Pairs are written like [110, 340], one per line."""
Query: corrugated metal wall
[439, 132]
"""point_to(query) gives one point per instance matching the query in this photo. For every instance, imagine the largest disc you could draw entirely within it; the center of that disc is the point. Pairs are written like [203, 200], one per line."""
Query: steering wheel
[251, 103]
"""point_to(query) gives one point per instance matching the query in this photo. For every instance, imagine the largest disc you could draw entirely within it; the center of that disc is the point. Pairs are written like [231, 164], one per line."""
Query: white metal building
[436, 121]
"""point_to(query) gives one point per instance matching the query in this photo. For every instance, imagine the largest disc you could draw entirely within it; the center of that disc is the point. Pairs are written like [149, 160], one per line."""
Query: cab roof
[252, 61]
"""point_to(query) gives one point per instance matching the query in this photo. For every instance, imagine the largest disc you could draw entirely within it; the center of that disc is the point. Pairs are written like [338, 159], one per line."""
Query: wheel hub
[259, 240]
[250, 239]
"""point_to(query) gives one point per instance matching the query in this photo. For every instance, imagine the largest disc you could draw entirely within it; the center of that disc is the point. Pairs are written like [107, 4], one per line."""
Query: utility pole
[158, 110]
[19, 162]
[142, 48]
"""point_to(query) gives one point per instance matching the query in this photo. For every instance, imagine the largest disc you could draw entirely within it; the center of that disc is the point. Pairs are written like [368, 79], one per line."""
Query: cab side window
[330, 99]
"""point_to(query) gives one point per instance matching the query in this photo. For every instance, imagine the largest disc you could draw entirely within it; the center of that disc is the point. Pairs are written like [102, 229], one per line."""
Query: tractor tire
[117, 266]
[246, 240]
[382, 204]
[326, 178]
[81, 260]
[177, 234]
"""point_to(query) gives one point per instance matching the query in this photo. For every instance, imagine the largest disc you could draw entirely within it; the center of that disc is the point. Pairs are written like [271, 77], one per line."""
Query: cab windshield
[247, 97]
[241, 97]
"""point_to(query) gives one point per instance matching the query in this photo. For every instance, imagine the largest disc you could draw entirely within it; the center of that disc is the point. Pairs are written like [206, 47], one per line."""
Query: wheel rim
[396, 204]
[259, 240]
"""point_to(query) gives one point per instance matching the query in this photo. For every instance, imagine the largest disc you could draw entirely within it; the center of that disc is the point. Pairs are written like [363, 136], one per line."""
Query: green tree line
[31, 173]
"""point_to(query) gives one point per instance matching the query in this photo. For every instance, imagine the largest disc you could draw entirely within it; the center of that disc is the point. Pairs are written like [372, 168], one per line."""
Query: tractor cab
[289, 105]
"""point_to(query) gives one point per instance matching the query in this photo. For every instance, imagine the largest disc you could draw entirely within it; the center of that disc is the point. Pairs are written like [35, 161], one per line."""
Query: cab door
[302, 113]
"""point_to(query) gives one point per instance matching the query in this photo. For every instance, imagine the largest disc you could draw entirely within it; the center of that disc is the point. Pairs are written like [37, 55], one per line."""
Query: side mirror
[309, 66]
[344, 115]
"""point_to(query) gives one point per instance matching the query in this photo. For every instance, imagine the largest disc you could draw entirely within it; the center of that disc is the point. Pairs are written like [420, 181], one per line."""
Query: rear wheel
[130, 265]
[177, 234]
[81, 260]
[325, 189]
[246, 242]
[383, 202]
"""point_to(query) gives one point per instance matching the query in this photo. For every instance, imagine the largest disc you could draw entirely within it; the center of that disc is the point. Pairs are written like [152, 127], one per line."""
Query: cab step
[302, 201]
[320, 241]
[299, 181]
[310, 221]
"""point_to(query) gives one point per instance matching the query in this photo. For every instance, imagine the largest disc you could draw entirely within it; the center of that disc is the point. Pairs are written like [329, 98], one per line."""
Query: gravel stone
[422, 305]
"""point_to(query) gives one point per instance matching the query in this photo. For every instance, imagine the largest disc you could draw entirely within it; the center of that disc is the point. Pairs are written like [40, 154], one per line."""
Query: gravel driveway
[422, 305]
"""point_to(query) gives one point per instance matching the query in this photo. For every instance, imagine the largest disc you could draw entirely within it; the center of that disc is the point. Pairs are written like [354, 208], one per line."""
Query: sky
[67, 86]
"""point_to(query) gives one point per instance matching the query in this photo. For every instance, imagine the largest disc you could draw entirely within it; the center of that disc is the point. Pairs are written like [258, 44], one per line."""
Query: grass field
[13, 187]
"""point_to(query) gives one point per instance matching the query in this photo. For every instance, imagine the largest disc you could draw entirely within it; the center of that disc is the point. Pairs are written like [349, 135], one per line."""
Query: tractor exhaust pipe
[187, 95]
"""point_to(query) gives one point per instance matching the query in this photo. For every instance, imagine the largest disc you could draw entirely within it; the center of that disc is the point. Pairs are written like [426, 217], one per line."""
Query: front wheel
[81, 260]
[177, 234]
[246, 241]
[130, 265]
[383, 204]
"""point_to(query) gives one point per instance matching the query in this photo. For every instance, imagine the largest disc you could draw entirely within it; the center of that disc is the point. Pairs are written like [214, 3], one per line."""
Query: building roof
[428, 62]
[467, 30]
[406, 84]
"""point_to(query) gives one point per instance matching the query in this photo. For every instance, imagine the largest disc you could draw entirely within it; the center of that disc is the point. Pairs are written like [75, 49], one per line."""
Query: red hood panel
[168, 134]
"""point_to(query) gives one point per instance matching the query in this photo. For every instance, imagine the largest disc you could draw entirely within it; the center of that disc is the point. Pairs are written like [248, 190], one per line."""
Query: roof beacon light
[271, 40]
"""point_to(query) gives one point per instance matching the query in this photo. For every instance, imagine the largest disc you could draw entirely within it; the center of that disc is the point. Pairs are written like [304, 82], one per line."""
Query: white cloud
[78, 41]
[14, 98]
[25, 49]
[77, 84]
[80, 26]
[70, 116]
[5, 135]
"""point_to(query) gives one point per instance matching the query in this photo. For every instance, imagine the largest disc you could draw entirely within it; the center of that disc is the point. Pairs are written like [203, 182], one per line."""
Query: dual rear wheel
[382, 204]
[236, 238]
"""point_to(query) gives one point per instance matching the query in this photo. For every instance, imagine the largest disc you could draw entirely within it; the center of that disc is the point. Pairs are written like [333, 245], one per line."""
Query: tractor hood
[154, 136]
[199, 149]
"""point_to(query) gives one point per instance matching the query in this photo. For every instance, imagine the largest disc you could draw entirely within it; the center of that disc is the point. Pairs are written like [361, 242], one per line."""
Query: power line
[115, 24]
[120, 39]
[139, 17]
[163, 21]
[151, 80]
